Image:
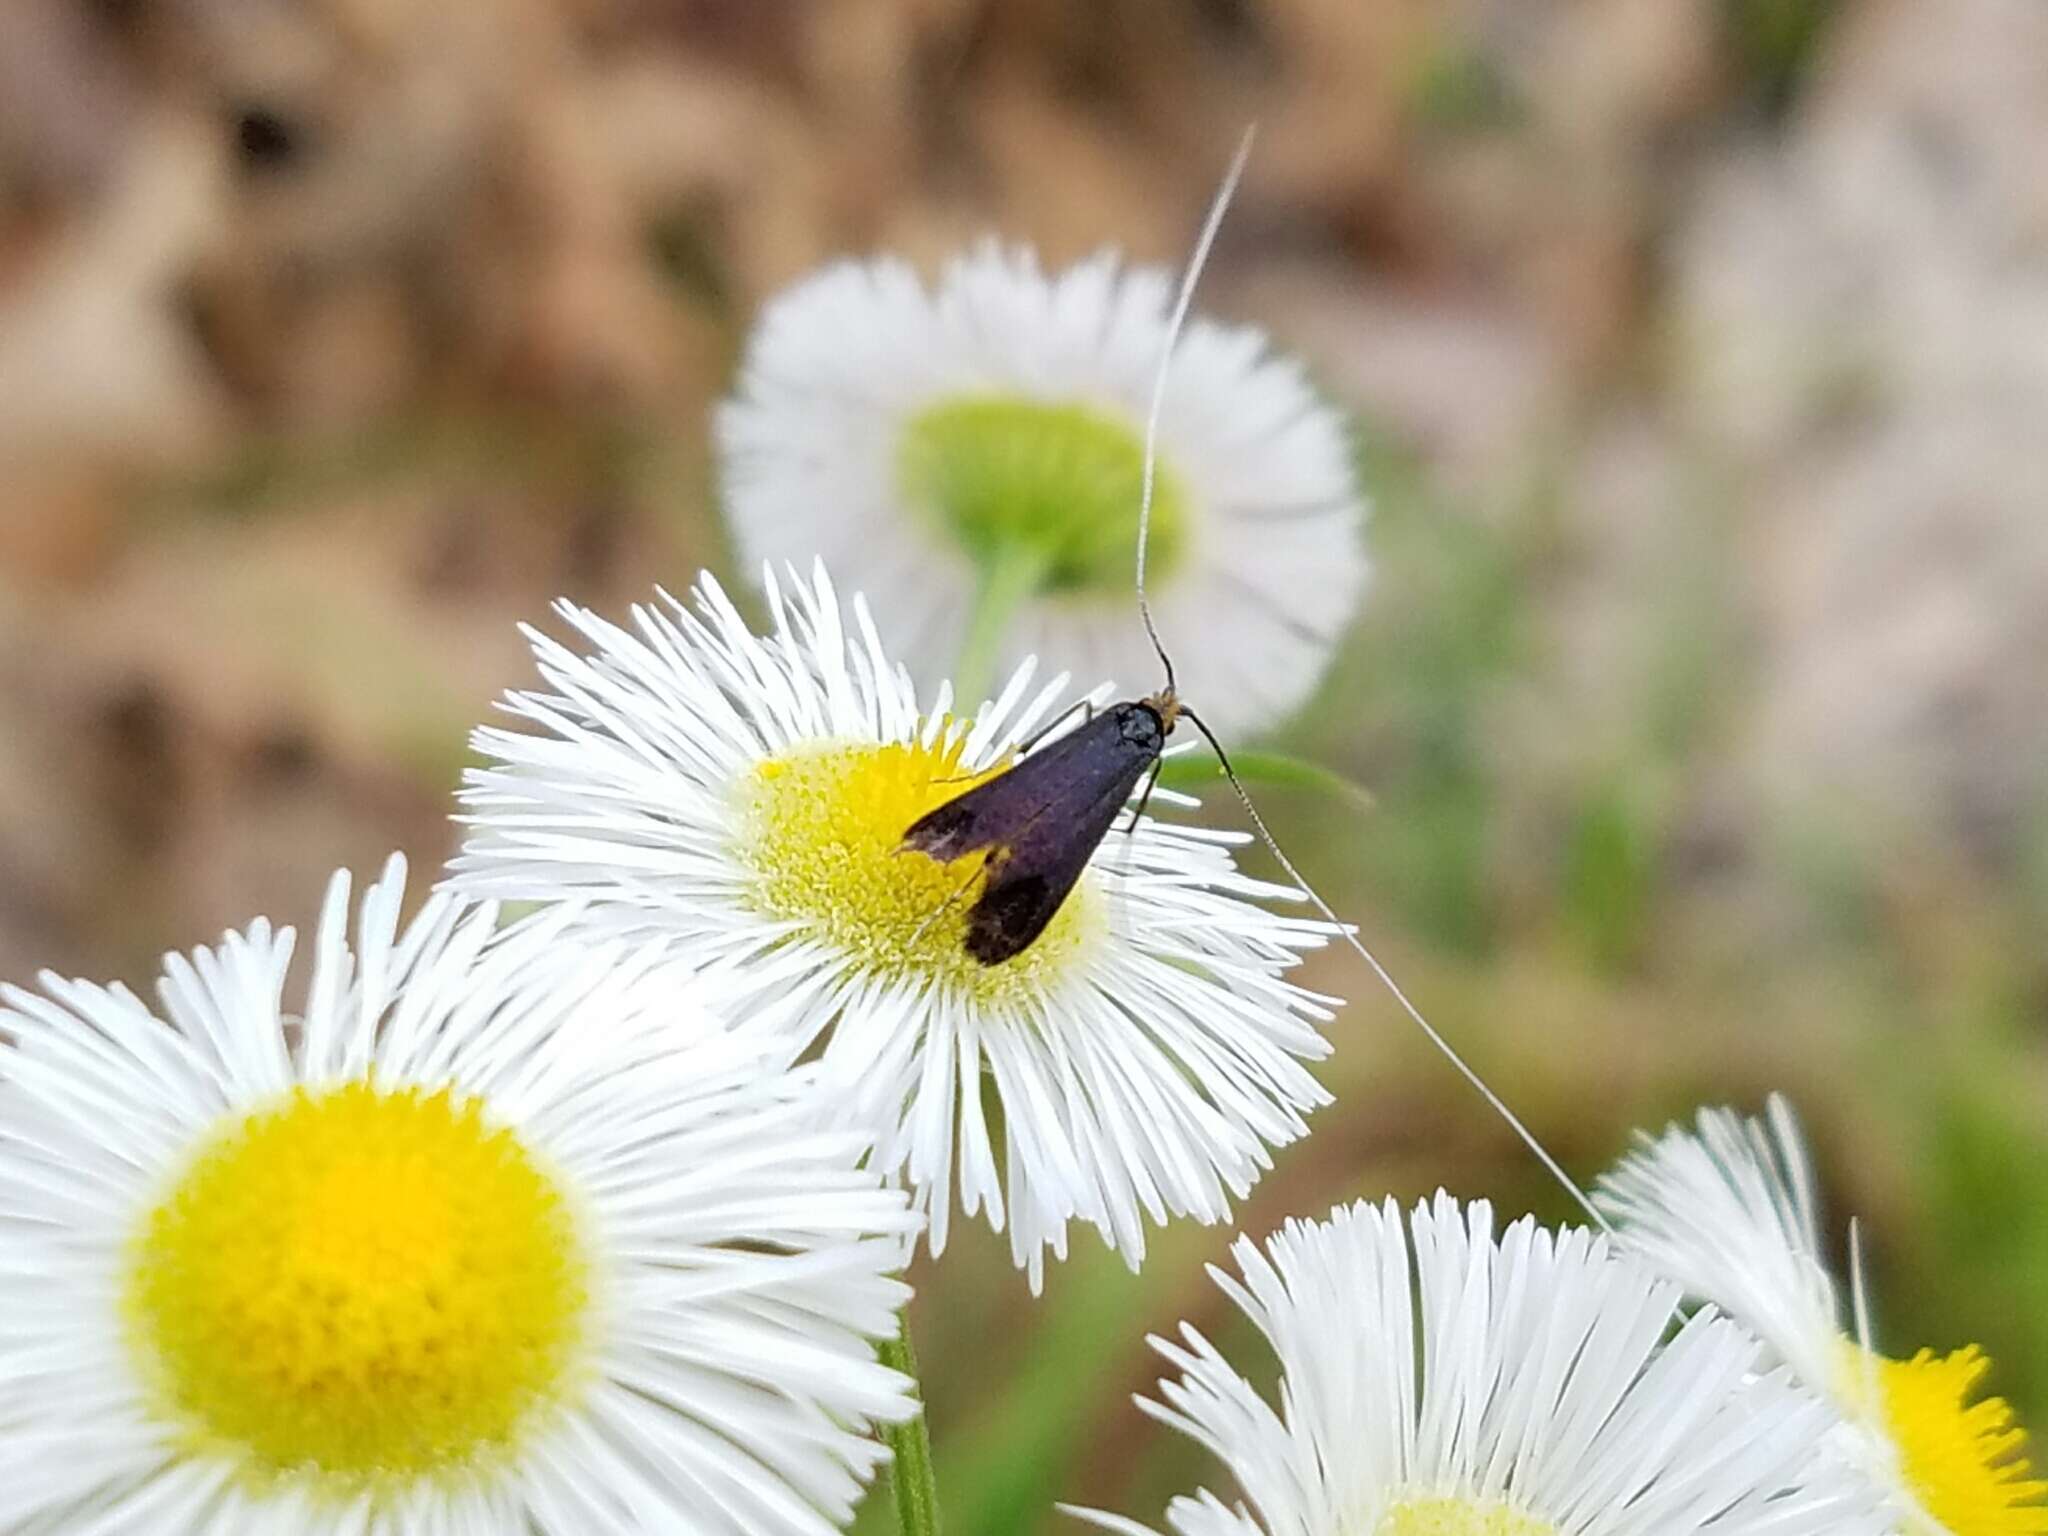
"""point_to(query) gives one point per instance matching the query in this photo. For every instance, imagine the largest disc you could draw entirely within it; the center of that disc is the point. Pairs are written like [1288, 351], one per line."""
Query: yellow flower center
[822, 830]
[1458, 1516]
[370, 1283]
[1960, 1459]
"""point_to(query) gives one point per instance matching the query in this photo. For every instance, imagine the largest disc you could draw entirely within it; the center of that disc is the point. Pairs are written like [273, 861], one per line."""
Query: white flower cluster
[594, 1220]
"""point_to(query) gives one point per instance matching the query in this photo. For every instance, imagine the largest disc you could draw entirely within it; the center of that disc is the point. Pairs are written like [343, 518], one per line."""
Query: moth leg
[1146, 798]
[1024, 748]
[1086, 707]
[953, 900]
[1120, 862]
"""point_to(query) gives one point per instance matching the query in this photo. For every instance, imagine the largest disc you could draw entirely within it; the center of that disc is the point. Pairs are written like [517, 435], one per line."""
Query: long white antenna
[1196, 262]
[1217, 207]
[1429, 1030]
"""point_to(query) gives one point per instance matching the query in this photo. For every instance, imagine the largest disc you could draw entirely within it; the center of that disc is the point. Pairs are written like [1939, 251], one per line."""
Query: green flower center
[1059, 483]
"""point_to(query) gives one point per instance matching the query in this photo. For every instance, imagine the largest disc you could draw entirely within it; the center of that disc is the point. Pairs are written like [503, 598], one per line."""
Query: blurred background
[1699, 356]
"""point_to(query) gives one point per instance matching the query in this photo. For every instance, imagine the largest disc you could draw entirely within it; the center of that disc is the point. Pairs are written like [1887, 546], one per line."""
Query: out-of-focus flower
[971, 457]
[1727, 1210]
[497, 1235]
[1523, 1386]
[740, 800]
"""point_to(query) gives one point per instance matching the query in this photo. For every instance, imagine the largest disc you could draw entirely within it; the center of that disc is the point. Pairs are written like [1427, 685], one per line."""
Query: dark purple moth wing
[1029, 881]
[1041, 821]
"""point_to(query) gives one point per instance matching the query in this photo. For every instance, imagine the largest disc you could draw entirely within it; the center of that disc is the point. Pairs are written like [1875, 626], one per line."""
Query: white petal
[1727, 1211]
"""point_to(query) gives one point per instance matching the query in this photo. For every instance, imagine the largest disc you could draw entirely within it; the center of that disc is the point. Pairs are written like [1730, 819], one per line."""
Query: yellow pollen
[1961, 1459]
[369, 1283]
[1458, 1516]
[822, 828]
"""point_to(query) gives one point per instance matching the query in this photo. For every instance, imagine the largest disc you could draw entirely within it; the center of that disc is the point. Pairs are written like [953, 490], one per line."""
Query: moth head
[1166, 705]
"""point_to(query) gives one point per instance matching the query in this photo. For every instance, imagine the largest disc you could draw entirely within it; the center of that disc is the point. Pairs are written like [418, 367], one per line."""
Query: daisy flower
[970, 456]
[1435, 1381]
[494, 1236]
[740, 800]
[1727, 1209]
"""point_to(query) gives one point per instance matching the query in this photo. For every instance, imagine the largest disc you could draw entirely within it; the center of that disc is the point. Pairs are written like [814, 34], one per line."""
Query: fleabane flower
[971, 455]
[496, 1235]
[1438, 1381]
[1727, 1209]
[740, 801]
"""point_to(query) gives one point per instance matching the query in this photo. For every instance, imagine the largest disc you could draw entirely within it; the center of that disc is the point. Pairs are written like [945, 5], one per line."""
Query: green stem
[917, 1494]
[1010, 576]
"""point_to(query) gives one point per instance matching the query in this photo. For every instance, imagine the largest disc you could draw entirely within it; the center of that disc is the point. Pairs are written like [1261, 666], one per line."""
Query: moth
[1041, 820]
